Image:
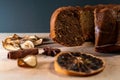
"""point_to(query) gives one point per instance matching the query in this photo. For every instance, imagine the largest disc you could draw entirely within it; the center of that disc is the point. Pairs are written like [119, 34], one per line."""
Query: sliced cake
[65, 26]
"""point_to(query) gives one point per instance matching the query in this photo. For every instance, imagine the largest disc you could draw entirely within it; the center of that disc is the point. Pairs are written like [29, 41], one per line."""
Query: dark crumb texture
[67, 27]
[87, 23]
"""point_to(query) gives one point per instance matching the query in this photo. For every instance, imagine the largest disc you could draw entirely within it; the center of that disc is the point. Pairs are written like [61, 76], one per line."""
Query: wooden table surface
[45, 70]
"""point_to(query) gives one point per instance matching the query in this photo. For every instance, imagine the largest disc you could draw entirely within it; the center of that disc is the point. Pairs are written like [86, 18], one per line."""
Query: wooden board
[45, 70]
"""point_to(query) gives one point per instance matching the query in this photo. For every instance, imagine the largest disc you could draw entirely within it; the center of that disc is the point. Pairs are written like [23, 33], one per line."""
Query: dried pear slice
[77, 64]
[38, 42]
[15, 36]
[11, 43]
[8, 40]
[10, 47]
[31, 38]
[16, 42]
[27, 45]
[28, 61]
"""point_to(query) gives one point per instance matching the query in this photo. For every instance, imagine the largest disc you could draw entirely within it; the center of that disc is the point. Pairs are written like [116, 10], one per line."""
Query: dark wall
[34, 15]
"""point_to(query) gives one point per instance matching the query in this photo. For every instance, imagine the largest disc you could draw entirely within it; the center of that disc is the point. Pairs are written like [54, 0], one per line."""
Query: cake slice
[65, 26]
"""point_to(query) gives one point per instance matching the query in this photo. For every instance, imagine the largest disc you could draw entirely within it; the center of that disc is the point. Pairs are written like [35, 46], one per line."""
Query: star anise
[49, 51]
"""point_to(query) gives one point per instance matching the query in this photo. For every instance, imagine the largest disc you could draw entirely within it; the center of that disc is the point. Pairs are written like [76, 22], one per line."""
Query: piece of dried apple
[15, 42]
[27, 45]
[29, 61]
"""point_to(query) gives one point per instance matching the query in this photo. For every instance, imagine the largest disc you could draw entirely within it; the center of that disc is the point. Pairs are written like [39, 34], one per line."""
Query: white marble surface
[45, 70]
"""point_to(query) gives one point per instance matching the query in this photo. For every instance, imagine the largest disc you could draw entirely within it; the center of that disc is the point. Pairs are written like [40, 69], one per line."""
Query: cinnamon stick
[22, 53]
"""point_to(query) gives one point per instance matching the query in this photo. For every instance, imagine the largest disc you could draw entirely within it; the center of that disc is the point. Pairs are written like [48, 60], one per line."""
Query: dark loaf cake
[72, 26]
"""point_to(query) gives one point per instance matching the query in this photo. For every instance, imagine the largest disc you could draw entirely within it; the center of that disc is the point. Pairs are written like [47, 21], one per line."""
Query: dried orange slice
[78, 64]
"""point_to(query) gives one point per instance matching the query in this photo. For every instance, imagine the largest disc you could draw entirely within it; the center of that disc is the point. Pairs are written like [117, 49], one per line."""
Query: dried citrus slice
[28, 61]
[78, 64]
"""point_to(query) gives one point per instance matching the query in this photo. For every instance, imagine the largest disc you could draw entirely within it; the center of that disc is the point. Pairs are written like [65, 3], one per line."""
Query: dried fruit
[10, 47]
[16, 42]
[28, 61]
[38, 42]
[27, 45]
[50, 51]
[78, 64]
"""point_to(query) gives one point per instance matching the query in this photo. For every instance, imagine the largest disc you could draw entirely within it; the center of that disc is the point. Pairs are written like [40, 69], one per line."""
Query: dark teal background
[34, 15]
